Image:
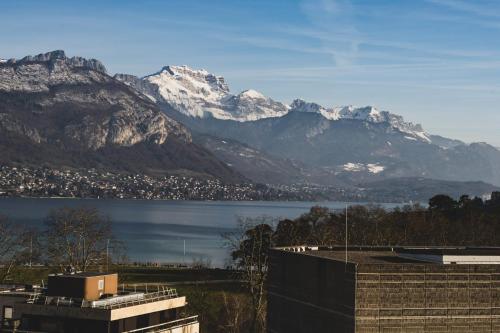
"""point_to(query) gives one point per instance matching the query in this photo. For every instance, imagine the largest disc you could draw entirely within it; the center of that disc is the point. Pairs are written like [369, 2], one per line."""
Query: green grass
[131, 274]
[29, 275]
[164, 275]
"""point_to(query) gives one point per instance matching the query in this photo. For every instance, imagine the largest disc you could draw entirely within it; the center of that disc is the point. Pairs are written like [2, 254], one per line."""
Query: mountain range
[333, 145]
[62, 111]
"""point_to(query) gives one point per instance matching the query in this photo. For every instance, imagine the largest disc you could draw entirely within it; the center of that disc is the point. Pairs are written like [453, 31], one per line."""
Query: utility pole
[84, 262]
[31, 249]
[346, 233]
[107, 255]
[184, 257]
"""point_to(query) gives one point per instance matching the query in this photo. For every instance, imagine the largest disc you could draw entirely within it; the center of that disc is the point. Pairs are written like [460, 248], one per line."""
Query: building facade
[399, 290]
[78, 303]
[10, 295]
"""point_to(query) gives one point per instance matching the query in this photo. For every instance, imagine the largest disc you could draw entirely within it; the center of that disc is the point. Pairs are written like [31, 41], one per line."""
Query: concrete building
[9, 296]
[86, 302]
[314, 289]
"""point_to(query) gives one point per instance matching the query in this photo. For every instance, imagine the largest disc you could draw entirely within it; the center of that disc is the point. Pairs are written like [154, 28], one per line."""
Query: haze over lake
[155, 231]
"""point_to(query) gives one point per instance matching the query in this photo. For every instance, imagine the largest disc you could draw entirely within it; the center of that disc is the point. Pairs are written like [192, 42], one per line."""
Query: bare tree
[78, 238]
[31, 248]
[250, 247]
[11, 246]
[235, 314]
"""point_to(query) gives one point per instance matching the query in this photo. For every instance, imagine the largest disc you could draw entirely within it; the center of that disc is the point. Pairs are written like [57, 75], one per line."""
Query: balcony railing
[108, 304]
[160, 328]
[165, 327]
[148, 298]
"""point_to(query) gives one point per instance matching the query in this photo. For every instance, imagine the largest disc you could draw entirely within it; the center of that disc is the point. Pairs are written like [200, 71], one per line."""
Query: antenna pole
[346, 233]
[184, 258]
[31, 249]
[84, 268]
[107, 255]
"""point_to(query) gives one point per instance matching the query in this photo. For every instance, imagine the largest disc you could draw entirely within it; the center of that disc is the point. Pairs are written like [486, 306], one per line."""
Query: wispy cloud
[332, 24]
[472, 7]
[411, 71]
[363, 40]
[335, 18]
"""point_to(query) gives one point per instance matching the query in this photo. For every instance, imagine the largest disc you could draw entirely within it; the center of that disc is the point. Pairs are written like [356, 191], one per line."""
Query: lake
[156, 231]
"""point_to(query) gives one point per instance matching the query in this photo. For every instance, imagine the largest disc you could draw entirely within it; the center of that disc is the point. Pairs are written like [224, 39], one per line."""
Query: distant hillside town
[44, 182]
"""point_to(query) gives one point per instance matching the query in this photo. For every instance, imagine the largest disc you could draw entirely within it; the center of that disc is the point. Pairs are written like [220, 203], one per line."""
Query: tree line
[71, 238]
[444, 222]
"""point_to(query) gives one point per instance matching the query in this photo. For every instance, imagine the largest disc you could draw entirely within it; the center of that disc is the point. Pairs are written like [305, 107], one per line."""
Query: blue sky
[436, 62]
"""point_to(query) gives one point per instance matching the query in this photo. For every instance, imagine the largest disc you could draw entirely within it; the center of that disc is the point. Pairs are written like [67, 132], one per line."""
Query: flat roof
[460, 251]
[387, 255]
[81, 274]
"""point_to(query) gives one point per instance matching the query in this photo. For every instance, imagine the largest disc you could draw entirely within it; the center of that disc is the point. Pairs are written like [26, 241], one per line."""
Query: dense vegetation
[444, 222]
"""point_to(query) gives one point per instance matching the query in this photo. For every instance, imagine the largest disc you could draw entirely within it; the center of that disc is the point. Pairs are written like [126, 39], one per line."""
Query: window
[7, 312]
[100, 285]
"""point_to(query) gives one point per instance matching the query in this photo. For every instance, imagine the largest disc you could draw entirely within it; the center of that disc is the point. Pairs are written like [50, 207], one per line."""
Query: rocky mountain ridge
[198, 93]
[129, 118]
[72, 110]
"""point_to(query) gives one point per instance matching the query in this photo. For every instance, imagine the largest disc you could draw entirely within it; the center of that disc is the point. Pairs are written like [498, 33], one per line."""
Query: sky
[435, 62]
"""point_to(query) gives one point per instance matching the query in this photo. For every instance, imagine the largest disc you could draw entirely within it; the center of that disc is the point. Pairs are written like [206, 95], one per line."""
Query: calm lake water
[157, 230]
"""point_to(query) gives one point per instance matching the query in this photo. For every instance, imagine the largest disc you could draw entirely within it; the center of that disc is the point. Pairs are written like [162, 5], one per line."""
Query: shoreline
[351, 202]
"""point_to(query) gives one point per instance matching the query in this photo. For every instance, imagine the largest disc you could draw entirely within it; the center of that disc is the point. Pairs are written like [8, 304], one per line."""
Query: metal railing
[148, 298]
[167, 326]
[15, 330]
[160, 295]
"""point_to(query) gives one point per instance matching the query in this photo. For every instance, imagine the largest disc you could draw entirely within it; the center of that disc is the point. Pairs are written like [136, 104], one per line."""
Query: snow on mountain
[251, 105]
[198, 93]
[368, 113]
[252, 94]
[193, 92]
[373, 168]
[302, 106]
[3, 61]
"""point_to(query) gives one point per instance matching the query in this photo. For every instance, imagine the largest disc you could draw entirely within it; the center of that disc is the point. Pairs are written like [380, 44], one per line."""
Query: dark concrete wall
[62, 325]
[66, 286]
[53, 324]
[428, 298]
[309, 294]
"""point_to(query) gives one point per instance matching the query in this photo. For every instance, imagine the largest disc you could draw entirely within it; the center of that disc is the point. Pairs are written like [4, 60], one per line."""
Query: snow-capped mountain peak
[368, 113]
[250, 93]
[299, 105]
[199, 76]
[199, 93]
[303, 106]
